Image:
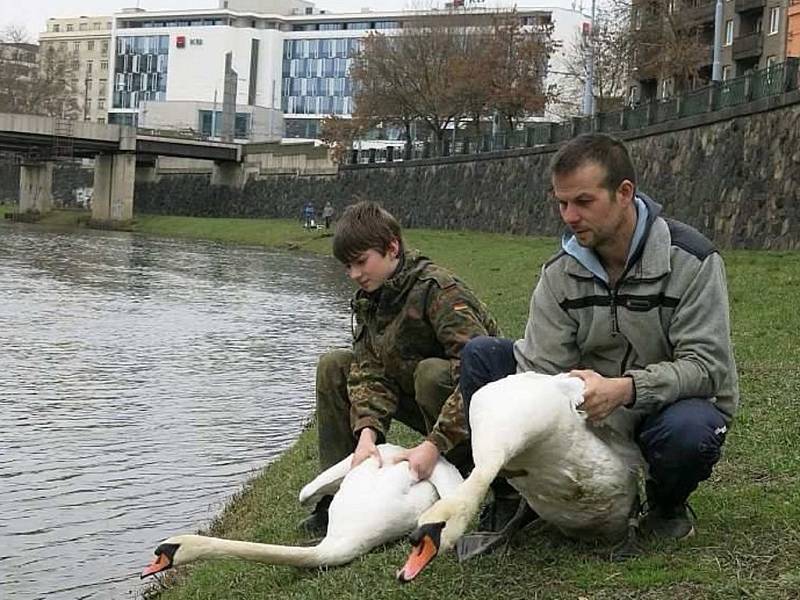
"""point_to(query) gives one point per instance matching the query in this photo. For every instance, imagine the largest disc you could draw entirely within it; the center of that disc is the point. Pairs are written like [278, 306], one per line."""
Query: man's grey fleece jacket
[665, 323]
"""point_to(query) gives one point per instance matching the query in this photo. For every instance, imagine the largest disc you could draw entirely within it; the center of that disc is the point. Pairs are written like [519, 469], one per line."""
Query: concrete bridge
[121, 157]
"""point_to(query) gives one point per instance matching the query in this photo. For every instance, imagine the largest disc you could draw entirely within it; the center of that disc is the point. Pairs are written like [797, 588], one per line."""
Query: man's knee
[692, 434]
[475, 349]
[332, 370]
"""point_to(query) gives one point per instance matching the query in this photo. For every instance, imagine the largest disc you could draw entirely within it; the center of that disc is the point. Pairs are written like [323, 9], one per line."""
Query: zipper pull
[614, 323]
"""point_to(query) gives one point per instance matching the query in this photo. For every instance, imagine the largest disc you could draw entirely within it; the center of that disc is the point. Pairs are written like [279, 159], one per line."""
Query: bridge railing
[774, 80]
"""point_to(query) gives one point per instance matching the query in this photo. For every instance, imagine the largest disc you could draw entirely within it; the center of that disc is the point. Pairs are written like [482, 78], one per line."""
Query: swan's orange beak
[426, 546]
[160, 563]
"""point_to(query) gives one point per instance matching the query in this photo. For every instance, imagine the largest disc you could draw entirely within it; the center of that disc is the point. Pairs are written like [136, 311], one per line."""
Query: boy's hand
[421, 459]
[366, 448]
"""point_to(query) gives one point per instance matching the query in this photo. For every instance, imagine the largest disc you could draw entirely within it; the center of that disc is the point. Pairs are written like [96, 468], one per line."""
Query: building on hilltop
[86, 41]
[756, 34]
[289, 57]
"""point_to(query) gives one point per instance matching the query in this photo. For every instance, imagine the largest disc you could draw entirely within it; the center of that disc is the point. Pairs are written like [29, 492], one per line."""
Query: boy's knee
[431, 376]
[333, 368]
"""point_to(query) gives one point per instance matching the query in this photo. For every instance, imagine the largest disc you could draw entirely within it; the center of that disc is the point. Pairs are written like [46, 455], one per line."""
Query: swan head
[426, 540]
[438, 530]
[177, 550]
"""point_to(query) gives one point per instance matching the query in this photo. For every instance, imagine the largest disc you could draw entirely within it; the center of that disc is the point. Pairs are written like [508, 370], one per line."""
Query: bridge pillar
[228, 173]
[147, 172]
[114, 178]
[36, 187]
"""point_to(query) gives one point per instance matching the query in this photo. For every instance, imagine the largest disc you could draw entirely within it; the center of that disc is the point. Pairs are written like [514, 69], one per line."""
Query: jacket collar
[649, 258]
[398, 285]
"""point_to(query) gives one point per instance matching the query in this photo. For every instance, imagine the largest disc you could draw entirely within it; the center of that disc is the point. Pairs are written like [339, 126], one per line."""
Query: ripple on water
[150, 379]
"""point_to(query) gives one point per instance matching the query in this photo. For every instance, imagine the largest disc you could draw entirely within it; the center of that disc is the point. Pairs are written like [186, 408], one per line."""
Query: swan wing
[326, 483]
[445, 478]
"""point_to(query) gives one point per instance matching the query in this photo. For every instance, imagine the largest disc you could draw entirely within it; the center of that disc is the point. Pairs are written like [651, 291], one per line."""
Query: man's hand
[366, 447]
[602, 395]
[421, 459]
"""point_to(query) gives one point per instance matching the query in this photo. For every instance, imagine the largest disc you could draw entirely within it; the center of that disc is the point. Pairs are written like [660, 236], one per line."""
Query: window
[89, 85]
[105, 47]
[104, 65]
[89, 65]
[70, 27]
[774, 19]
[56, 27]
[76, 46]
[729, 32]
[90, 45]
[82, 27]
[726, 72]
[667, 86]
[96, 25]
[101, 103]
[101, 119]
[88, 104]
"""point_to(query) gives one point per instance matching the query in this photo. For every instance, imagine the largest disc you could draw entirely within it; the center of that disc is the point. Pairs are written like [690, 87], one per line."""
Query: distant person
[327, 214]
[309, 215]
[411, 318]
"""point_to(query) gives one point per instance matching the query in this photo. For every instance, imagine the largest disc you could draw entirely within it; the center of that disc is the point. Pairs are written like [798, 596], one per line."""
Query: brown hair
[604, 150]
[364, 226]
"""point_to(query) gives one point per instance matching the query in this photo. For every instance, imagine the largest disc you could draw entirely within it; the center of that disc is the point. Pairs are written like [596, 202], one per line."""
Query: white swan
[371, 506]
[580, 477]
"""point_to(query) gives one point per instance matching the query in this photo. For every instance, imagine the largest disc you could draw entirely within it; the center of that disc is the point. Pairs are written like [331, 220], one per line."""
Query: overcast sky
[33, 14]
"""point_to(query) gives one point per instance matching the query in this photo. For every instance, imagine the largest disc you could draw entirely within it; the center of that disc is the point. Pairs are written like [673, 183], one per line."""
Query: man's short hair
[364, 226]
[604, 150]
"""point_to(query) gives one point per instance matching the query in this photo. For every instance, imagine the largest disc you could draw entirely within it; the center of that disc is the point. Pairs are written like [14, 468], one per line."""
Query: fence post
[748, 86]
[713, 94]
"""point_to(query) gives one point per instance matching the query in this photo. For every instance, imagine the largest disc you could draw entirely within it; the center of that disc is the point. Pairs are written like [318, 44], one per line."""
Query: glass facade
[241, 127]
[315, 76]
[140, 70]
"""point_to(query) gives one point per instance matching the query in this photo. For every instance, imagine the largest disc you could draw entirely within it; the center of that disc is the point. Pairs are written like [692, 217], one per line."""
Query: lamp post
[716, 65]
[588, 89]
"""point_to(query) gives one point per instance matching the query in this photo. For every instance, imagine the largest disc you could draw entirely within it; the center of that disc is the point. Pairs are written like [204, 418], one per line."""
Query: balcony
[702, 13]
[748, 46]
[748, 5]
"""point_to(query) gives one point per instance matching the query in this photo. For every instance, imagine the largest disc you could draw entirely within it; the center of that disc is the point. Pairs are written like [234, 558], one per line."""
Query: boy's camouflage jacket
[423, 311]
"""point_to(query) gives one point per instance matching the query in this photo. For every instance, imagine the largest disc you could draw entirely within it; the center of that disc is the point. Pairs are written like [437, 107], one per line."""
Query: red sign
[180, 41]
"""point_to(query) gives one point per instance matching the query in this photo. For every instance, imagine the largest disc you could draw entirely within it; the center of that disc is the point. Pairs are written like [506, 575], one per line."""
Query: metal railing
[777, 79]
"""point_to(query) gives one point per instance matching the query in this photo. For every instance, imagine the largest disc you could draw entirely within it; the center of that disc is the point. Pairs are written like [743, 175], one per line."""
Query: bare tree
[517, 65]
[612, 55]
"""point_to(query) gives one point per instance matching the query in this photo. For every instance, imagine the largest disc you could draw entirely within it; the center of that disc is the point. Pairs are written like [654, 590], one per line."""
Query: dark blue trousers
[681, 443]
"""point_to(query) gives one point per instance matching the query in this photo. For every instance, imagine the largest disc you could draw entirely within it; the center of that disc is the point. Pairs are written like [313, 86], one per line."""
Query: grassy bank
[749, 527]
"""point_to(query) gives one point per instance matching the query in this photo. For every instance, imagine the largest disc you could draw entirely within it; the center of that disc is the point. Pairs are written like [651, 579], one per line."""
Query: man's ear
[625, 191]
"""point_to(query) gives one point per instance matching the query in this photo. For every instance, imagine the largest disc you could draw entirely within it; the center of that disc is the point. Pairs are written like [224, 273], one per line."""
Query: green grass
[749, 512]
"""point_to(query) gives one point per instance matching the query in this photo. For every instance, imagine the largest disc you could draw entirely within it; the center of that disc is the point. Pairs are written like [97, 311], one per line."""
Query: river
[143, 381]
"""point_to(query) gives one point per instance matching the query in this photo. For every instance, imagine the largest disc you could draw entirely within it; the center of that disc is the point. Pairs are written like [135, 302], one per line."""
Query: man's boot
[667, 520]
[316, 524]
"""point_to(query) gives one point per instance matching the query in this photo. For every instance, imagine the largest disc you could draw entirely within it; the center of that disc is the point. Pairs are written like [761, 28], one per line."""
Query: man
[327, 214]
[411, 319]
[636, 306]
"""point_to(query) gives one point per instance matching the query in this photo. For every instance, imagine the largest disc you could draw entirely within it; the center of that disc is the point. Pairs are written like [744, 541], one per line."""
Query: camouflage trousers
[433, 384]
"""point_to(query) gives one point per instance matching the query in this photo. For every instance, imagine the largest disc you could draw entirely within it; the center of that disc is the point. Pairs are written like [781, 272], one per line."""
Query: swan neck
[326, 553]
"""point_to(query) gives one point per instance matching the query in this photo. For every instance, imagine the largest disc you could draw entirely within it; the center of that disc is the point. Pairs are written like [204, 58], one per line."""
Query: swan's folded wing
[445, 478]
[326, 483]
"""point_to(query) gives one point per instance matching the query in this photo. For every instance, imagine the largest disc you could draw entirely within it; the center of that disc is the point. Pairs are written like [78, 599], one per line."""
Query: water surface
[143, 381]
